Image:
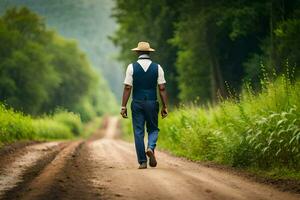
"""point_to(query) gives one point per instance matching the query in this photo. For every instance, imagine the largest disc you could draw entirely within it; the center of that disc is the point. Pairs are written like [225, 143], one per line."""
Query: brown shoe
[152, 159]
[143, 165]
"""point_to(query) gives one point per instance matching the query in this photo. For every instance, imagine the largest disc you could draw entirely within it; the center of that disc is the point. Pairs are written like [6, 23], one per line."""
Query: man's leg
[151, 114]
[138, 122]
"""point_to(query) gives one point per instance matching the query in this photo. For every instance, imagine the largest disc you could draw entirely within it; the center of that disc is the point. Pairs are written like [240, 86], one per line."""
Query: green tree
[76, 76]
[151, 21]
[288, 46]
[40, 70]
[87, 21]
[279, 41]
[26, 72]
[214, 41]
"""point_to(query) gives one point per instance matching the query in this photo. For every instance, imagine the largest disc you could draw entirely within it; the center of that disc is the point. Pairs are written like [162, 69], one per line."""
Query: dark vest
[144, 83]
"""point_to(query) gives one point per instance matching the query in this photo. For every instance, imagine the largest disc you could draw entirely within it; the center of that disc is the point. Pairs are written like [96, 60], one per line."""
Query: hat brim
[137, 49]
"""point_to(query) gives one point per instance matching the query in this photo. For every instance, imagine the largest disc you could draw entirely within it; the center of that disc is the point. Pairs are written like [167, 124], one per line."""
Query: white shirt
[145, 63]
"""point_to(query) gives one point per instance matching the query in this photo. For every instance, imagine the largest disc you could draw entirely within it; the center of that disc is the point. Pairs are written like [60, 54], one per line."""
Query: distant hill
[87, 21]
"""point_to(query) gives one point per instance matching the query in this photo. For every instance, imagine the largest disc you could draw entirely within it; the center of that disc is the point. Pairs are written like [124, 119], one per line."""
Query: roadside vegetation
[253, 131]
[18, 126]
[259, 131]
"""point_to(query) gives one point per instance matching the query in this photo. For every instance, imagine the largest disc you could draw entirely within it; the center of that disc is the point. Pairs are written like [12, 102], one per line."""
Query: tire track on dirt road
[16, 168]
[32, 174]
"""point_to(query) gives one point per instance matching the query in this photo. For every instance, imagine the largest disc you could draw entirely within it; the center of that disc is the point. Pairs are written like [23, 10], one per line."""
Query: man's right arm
[126, 95]
[127, 90]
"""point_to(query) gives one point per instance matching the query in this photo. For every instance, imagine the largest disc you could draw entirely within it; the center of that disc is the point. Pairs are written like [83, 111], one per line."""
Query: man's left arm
[162, 91]
[163, 97]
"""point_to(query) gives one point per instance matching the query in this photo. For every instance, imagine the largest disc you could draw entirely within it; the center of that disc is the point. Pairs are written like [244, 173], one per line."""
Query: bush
[91, 127]
[50, 129]
[69, 119]
[14, 125]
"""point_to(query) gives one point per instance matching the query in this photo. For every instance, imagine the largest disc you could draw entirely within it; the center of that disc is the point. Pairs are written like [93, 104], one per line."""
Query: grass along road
[104, 167]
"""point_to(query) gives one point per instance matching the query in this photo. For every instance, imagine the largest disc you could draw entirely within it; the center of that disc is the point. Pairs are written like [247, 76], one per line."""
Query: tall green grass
[256, 130]
[17, 126]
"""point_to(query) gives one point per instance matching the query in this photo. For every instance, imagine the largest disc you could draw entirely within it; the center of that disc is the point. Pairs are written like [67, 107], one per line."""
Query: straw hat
[143, 46]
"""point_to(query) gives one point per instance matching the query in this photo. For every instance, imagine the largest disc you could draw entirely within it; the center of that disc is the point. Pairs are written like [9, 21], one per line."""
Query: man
[144, 76]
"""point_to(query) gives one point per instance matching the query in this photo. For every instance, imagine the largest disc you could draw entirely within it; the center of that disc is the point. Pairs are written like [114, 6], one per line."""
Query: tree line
[207, 46]
[41, 71]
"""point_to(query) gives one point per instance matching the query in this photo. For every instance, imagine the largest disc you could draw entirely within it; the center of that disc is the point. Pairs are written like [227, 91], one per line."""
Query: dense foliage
[204, 44]
[40, 70]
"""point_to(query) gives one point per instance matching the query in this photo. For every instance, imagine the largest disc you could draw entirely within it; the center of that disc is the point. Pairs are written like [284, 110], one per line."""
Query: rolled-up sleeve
[128, 76]
[161, 76]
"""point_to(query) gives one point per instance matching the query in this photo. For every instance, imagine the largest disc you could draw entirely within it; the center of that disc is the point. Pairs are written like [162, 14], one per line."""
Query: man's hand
[124, 112]
[164, 112]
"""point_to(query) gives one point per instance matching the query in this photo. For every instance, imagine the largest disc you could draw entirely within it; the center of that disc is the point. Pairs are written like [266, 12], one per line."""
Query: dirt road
[106, 168]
